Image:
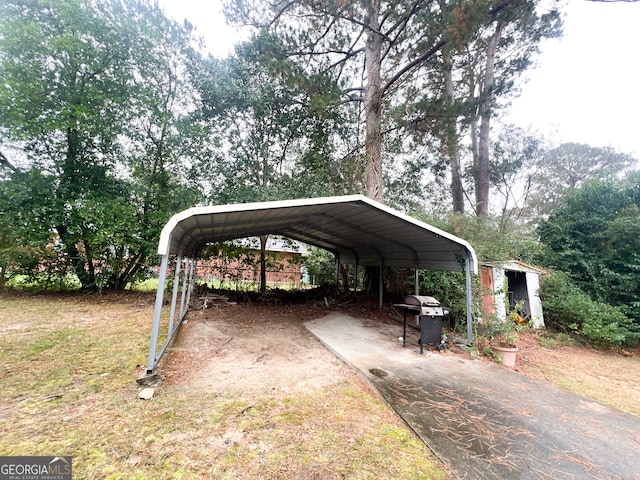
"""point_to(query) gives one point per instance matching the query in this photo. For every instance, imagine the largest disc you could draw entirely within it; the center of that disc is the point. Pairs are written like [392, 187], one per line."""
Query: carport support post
[355, 279]
[174, 296]
[192, 281]
[186, 285]
[380, 286]
[157, 313]
[467, 270]
[416, 318]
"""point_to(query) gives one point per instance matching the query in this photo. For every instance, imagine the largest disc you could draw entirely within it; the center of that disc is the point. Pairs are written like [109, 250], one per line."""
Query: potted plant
[500, 337]
[503, 338]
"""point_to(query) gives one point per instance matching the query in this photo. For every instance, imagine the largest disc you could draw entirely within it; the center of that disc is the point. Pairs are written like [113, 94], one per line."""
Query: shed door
[488, 290]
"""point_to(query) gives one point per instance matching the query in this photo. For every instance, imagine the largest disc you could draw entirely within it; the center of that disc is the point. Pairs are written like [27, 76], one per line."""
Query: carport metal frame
[356, 229]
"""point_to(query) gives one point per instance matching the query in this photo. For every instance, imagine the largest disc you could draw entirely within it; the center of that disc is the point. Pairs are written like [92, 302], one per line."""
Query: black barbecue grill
[430, 314]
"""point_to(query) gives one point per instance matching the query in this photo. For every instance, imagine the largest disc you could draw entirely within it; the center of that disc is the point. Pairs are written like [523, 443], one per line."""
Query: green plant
[449, 288]
[569, 309]
[507, 336]
[565, 339]
[546, 341]
[594, 238]
[495, 331]
[505, 333]
[472, 350]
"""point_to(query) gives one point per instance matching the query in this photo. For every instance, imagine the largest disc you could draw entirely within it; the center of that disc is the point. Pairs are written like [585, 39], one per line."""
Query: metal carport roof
[355, 228]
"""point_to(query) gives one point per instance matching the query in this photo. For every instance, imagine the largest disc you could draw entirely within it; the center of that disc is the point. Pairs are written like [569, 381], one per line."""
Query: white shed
[522, 282]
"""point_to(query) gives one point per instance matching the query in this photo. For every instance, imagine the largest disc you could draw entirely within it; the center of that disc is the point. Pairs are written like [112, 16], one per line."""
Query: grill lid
[421, 300]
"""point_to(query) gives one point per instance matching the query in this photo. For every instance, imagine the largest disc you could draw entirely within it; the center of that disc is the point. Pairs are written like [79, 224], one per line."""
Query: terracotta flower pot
[507, 354]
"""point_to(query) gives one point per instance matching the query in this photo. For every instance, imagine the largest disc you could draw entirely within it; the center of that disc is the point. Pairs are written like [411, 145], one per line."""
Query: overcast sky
[585, 89]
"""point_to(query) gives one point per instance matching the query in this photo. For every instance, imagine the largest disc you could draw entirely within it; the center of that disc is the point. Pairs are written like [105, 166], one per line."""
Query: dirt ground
[263, 348]
[256, 348]
[609, 377]
[251, 349]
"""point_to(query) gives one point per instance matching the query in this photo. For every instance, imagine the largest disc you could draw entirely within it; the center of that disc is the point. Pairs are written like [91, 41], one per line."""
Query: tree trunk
[344, 272]
[69, 189]
[373, 118]
[473, 129]
[451, 137]
[486, 103]
[373, 105]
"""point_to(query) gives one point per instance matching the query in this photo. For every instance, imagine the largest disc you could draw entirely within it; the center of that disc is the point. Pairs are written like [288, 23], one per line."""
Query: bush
[493, 238]
[449, 288]
[567, 308]
[594, 236]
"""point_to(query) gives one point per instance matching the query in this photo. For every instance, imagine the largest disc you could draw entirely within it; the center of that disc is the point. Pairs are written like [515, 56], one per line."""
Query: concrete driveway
[483, 420]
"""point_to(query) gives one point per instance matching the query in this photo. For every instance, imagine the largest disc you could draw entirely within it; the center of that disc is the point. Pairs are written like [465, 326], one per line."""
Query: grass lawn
[67, 387]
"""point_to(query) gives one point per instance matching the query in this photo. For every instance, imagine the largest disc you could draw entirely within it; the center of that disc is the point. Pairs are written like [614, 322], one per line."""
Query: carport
[356, 229]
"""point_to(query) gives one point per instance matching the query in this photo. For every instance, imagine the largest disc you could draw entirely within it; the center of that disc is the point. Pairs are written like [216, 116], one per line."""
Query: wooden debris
[215, 299]
[150, 380]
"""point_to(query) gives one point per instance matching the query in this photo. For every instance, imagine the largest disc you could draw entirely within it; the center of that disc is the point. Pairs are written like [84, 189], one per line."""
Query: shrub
[449, 288]
[567, 308]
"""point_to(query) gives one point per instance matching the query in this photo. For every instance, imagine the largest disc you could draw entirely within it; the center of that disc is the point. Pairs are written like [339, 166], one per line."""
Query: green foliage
[499, 332]
[277, 120]
[563, 169]
[93, 97]
[449, 288]
[546, 341]
[594, 236]
[569, 309]
[493, 238]
[25, 251]
[320, 265]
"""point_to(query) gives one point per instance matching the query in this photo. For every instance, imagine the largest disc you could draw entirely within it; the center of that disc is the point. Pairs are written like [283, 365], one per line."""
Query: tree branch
[282, 10]
[400, 26]
[4, 162]
[411, 65]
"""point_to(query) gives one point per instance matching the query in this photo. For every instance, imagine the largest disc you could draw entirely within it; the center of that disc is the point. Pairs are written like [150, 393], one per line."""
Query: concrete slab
[483, 420]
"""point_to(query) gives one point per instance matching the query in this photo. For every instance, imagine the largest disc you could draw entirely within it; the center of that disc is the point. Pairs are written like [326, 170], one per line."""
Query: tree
[64, 73]
[495, 58]
[515, 153]
[272, 122]
[452, 137]
[163, 142]
[266, 109]
[25, 239]
[567, 167]
[593, 236]
[335, 36]
[76, 83]
[487, 47]
[400, 44]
